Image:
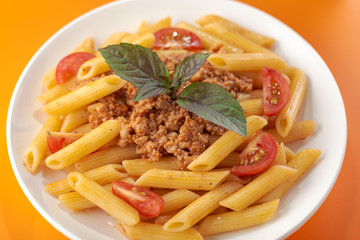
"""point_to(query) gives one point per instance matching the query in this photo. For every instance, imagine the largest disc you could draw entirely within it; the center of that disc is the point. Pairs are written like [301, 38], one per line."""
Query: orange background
[332, 27]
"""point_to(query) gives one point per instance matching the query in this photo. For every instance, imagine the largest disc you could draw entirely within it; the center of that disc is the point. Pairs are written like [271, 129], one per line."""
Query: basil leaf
[187, 68]
[148, 90]
[136, 64]
[213, 103]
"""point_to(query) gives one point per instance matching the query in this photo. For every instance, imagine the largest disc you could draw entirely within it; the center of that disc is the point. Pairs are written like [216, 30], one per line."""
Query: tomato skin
[176, 38]
[263, 141]
[276, 91]
[58, 140]
[146, 202]
[68, 66]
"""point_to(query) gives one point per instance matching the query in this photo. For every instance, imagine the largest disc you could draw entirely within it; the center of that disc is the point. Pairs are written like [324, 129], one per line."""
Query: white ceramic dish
[323, 103]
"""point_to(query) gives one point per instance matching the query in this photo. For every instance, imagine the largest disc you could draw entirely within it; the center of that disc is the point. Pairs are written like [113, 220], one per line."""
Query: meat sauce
[158, 125]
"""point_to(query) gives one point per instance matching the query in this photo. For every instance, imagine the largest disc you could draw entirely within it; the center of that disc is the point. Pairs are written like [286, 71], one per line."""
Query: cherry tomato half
[59, 140]
[259, 154]
[276, 91]
[68, 66]
[176, 38]
[146, 202]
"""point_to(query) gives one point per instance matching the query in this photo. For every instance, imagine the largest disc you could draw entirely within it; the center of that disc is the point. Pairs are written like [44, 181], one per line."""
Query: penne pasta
[301, 162]
[289, 154]
[177, 199]
[82, 129]
[147, 231]
[235, 220]
[146, 40]
[253, 107]
[56, 91]
[163, 23]
[227, 143]
[81, 147]
[85, 95]
[208, 40]
[200, 208]
[258, 187]
[111, 204]
[102, 175]
[114, 38]
[236, 38]
[245, 61]
[258, 38]
[174, 179]
[75, 119]
[92, 68]
[280, 155]
[36, 152]
[175, 156]
[137, 167]
[286, 117]
[109, 155]
[299, 130]
[76, 202]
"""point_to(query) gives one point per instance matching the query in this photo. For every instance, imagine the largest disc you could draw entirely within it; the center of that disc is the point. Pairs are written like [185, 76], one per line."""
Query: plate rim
[67, 232]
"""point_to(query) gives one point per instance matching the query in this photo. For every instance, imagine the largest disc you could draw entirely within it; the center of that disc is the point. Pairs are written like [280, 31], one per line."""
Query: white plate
[323, 103]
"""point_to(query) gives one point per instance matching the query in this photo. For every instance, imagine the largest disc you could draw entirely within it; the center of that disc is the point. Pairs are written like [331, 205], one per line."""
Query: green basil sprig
[144, 69]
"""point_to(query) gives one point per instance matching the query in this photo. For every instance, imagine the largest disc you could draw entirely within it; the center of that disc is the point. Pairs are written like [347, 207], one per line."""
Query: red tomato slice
[59, 140]
[176, 38]
[68, 66]
[276, 91]
[146, 202]
[259, 154]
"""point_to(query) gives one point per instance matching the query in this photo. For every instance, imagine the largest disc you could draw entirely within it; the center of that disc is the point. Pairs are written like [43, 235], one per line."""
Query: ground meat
[158, 125]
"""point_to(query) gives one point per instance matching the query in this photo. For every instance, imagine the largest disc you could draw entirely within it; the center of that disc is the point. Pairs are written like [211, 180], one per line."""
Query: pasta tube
[109, 155]
[163, 23]
[253, 107]
[75, 201]
[301, 162]
[84, 95]
[286, 117]
[85, 145]
[114, 38]
[92, 68]
[102, 175]
[258, 187]
[234, 220]
[173, 179]
[289, 154]
[75, 119]
[35, 153]
[177, 199]
[82, 129]
[226, 144]
[147, 231]
[201, 207]
[245, 61]
[235, 38]
[137, 167]
[56, 91]
[105, 200]
[208, 40]
[256, 37]
[299, 130]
